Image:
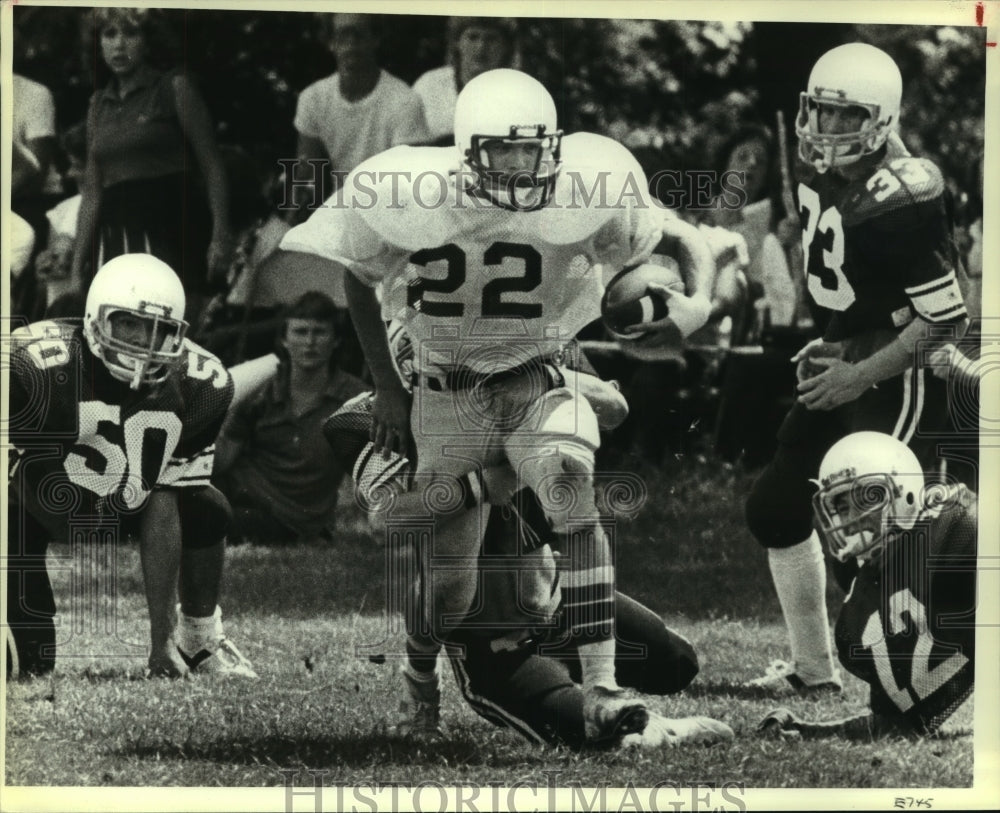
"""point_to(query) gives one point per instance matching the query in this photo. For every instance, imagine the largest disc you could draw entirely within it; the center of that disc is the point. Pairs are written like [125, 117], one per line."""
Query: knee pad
[562, 483]
[206, 516]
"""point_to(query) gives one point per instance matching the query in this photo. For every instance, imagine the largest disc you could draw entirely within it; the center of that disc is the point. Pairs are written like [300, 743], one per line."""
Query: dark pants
[539, 696]
[205, 518]
[911, 408]
[31, 607]
[167, 217]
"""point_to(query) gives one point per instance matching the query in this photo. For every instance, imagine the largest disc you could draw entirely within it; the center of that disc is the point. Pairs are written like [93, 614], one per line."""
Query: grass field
[298, 613]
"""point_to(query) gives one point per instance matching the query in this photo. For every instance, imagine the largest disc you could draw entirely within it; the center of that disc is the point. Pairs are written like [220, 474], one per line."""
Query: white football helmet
[505, 131]
[849, 76]
[142, 349]
[870, 484]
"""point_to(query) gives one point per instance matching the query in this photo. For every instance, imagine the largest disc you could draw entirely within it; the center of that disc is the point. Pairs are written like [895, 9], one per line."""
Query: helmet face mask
[856, 514]
[853, 76]
[507, 139]
[140, 346]
[836, 149]
[518, 170]
[134, 319]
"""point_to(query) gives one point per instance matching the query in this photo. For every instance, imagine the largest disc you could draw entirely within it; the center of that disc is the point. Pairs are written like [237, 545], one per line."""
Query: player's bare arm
[160, 551]
[391, 408]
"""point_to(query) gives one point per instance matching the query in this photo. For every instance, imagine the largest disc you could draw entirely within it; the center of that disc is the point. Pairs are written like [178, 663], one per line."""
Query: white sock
[199, 633]
[597, 659]
[799, 575]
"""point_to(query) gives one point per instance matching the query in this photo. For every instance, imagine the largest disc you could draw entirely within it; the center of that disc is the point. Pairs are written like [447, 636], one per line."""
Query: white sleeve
[304, 108]
[41, 123]
[410, 124]
[337, 232]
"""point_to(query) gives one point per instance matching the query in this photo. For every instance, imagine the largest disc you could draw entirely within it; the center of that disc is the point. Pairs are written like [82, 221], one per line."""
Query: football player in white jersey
[493, 259]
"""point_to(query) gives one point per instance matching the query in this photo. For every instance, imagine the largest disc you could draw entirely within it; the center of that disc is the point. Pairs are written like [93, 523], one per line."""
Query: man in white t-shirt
[357, 112]
[34, 138]
[475, 45]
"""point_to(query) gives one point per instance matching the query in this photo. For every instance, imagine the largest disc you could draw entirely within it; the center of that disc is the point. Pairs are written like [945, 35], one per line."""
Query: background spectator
[240, 323]
[355, 113]
[271, 458]
[974, 253]
[751, 154]
[34, 139]
[52, 291]
[139, 191]
[475, 45]
[34, 183]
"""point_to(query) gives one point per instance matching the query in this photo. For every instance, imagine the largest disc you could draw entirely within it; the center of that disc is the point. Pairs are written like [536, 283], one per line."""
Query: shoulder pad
[198, 364]
[599, 178]
[406, 195]
[48, 345]
[46, 329]
[896, 185]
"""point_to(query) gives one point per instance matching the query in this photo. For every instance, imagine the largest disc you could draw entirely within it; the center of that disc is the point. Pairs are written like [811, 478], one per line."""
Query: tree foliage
[677, 88]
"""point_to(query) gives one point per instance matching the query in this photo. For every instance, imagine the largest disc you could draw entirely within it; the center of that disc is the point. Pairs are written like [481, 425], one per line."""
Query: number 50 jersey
[87, 444]
[879, 250]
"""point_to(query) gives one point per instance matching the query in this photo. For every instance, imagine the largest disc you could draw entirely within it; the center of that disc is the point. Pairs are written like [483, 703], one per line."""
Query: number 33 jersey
[879, 251]
[479, 286]
[908, 625]
[85, 443]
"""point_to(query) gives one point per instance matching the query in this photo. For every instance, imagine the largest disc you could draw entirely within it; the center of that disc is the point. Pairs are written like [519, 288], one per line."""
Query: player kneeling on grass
[113, 423]
[907, 627]
[512, 657]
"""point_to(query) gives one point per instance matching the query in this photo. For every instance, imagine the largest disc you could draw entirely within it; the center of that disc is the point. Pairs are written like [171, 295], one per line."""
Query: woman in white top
[752, 153]
[475, 45]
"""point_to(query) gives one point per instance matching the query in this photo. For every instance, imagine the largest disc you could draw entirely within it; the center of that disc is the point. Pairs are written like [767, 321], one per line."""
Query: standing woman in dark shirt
[141, 191]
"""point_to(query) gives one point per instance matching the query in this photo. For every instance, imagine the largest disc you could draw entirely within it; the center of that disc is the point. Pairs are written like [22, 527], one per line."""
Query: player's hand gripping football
[390, 430]
[686, 313]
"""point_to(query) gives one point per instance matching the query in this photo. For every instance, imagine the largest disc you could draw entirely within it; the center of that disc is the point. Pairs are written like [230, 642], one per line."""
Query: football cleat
[222, 658]
[663, 731]
[420, 708]
[781, 679]
[609, 714]
[779, 722]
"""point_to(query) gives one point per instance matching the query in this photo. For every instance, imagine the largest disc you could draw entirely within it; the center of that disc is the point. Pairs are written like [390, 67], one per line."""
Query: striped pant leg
[523, 691]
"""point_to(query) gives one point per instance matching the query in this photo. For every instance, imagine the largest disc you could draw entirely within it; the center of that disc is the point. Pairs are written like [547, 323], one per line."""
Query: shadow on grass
[738, 691]
[355, 750]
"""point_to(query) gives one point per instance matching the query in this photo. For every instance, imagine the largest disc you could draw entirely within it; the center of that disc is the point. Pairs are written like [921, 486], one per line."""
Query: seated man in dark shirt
[271, 459]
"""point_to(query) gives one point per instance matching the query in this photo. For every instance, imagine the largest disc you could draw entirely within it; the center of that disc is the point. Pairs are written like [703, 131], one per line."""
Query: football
[627, 305]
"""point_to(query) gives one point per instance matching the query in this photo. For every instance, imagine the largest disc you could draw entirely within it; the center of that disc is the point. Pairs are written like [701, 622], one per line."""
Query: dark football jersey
[907, 627]
[84, 442]
[879, 250]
